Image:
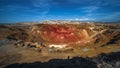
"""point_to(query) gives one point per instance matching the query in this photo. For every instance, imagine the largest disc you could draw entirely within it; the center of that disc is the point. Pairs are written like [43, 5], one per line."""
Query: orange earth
[57, 34]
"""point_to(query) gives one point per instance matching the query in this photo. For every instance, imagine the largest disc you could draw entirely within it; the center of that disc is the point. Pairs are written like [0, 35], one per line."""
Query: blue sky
[12, 11]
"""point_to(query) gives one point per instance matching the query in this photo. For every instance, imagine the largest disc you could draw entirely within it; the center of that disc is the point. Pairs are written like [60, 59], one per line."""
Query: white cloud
[83, 19]
[43, 4]
[90, 9]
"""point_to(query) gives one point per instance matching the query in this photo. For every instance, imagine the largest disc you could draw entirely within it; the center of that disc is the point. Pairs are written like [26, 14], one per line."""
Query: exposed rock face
[60, 34]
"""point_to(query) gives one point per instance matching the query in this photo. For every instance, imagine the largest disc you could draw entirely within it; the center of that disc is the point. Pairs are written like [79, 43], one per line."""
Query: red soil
[60, 34]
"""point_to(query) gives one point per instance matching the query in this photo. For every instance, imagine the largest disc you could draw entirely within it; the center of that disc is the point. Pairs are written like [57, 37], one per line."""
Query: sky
[12, 11]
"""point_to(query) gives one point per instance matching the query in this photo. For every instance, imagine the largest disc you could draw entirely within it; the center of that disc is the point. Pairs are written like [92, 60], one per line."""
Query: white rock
[58, 46]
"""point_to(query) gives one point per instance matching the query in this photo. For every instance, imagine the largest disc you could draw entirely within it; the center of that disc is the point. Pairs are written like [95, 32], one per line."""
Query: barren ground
[10, 54]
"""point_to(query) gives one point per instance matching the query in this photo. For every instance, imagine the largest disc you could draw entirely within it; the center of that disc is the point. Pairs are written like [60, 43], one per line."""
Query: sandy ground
[9, 54]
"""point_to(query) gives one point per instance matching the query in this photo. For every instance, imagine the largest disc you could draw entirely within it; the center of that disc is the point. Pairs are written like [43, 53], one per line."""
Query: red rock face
[60, 34]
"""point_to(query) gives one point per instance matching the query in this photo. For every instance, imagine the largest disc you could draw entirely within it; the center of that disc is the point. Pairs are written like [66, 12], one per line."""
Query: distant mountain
[4, 23]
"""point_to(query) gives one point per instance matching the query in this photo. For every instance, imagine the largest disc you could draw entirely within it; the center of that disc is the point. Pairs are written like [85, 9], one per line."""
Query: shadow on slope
[111, 60]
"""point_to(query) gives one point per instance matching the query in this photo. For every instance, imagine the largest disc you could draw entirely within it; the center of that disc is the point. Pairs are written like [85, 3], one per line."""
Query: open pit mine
[61, 34]
[30, 42]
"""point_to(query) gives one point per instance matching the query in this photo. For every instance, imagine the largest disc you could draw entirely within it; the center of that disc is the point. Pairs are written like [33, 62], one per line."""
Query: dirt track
[10, 54]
